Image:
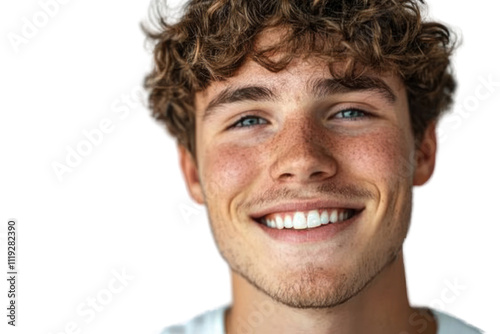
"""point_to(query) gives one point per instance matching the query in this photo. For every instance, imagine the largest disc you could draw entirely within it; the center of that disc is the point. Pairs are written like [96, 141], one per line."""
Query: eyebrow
[239, 94]
[320, 88]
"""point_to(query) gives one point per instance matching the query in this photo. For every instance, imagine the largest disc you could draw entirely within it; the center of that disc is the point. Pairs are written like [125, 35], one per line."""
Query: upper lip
[307, 205]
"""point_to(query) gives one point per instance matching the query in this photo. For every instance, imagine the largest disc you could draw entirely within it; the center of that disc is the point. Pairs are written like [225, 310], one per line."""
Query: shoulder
[448, 324]
[210, 322]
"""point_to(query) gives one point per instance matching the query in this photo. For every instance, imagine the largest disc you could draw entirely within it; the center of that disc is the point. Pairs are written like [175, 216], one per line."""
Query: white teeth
[334, 216]
[279, 222]
[299, 220]
[309, 219]
[313, 219]
[324, 218]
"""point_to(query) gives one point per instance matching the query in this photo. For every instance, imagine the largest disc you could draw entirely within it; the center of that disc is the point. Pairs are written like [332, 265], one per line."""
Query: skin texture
[301, 149]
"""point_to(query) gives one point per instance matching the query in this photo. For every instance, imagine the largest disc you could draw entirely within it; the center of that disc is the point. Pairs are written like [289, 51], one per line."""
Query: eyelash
[243, 118]
[365, 114]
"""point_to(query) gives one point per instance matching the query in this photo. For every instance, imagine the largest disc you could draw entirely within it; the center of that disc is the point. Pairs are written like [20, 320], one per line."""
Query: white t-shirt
[212, 322]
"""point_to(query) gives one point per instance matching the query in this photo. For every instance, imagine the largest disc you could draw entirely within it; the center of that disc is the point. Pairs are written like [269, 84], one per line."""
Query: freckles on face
[345, 145]
[230, 169]
[381, 160]
[380, 154]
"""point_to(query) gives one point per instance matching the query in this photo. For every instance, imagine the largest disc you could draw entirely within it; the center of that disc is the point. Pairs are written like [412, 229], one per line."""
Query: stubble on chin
[311, 286]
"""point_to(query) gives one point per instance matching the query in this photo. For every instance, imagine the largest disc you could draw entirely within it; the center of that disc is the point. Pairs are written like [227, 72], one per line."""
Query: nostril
[286, 175]
[317, 174]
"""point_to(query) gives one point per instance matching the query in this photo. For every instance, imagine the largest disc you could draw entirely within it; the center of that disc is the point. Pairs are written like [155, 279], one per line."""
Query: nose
[302, 153]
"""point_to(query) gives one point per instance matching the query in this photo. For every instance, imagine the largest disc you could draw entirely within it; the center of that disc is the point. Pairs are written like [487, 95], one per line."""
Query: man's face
[309, 150]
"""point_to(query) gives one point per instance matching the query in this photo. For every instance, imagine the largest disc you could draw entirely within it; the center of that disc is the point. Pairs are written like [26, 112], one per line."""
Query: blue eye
[248, 121]
[351, 114]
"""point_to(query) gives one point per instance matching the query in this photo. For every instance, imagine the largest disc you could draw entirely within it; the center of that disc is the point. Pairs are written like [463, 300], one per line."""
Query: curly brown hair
[213, 38]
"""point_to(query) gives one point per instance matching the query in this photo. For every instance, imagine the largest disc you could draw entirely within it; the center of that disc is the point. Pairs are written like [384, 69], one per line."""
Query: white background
[125, 206]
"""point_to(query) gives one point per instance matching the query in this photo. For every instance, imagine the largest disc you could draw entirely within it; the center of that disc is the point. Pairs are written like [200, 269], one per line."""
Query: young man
[303, 126]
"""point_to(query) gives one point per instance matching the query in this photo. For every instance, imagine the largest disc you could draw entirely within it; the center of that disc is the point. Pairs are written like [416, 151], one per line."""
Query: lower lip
[316, 234]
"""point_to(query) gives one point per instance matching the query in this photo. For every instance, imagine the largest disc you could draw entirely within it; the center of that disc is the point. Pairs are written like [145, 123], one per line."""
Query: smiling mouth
[301, 220]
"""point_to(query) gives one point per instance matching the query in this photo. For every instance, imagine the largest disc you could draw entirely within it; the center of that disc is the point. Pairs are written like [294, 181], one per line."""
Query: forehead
[294, 77]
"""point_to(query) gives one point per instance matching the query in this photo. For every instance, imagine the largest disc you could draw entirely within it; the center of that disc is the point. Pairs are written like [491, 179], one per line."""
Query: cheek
[382, 156]
[382, 161]
[228, 169]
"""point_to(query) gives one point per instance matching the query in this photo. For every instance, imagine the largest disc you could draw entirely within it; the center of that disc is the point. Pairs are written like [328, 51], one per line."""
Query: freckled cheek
[229, 170]
[380, 157]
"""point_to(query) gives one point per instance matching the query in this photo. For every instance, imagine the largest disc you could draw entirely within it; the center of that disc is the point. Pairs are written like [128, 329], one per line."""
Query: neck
[381, 307]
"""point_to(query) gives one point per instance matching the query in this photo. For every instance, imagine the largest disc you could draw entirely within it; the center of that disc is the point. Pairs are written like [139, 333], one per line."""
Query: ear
[425, 156]
[190, 172]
